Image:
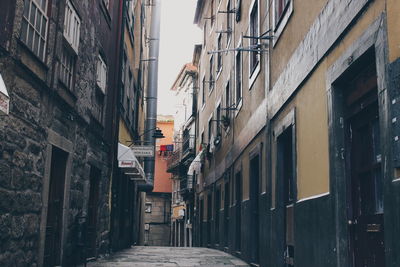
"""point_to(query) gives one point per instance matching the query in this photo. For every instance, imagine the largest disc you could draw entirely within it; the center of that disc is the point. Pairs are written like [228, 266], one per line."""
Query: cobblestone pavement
[169, 256]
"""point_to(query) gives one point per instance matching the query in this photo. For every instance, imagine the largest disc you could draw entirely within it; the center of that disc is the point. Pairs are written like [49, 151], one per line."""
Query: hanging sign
[143, 151]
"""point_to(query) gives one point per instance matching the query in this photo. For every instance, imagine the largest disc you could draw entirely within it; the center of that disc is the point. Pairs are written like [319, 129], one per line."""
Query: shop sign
[143, 151]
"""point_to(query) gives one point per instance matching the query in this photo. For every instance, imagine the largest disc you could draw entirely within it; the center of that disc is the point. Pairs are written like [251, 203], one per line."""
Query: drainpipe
[151, 95]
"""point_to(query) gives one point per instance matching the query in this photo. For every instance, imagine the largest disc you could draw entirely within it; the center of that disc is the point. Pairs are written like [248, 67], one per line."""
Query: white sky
[177, 39]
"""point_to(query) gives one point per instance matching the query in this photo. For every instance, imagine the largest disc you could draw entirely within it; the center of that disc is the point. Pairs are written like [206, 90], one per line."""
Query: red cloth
[163, 148]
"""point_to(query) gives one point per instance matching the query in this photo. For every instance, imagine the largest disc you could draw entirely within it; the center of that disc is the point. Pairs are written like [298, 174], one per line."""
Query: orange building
[162, 181]
[158, 202]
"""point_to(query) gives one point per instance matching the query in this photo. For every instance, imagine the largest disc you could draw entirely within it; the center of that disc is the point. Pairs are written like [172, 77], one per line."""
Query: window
[254, 32]
[228, 23]
[218, 120]
[280, 8]
[210, 130]
[202, 140]
[204, 34]
[67, 68]
[203, 91]
[282, 11]
[148, 207]
[219, 55]
[71, 26]
[131, 19]
[123, 77]
[34, 26]
[106, 4]
[101, 74]
[211, 77]
[238, 78]
[212, 18]
[227, 98]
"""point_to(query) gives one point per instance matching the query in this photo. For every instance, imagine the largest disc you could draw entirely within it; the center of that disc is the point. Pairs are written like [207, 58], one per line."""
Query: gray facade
[55, 144]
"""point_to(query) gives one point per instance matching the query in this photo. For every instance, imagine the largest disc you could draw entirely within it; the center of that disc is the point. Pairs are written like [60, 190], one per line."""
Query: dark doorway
[217, 208]
[226, 214]
[363, 168]
[95, 175]
[52, 252]
[201, 223]
[209, 218]
[287, 191]
[238, 221]
[254, 199]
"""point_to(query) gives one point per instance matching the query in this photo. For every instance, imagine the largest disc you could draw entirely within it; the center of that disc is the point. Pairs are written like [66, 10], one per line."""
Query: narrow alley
[262, 133]
[169, 256]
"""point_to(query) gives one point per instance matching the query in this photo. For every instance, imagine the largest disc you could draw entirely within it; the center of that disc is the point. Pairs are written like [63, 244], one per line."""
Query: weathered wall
[158, 220]
[39, 107]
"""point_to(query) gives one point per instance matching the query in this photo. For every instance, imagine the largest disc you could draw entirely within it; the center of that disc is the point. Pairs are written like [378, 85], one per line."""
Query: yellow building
[298, 119]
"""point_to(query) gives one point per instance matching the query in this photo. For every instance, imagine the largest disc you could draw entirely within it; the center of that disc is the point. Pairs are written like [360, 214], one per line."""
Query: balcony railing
[174, 159]
[188, 145]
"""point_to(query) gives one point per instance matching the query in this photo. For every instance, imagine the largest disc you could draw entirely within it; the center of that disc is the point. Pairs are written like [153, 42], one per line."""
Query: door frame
[374, 39]
[54, 139]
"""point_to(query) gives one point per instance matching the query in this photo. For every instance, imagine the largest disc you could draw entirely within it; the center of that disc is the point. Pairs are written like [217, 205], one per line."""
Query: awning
[129, 163]
[4, 97]
[195, 166]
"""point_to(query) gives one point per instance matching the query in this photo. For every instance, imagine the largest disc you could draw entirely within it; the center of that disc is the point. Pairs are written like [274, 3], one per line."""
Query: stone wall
[37, 107]
[157, 222]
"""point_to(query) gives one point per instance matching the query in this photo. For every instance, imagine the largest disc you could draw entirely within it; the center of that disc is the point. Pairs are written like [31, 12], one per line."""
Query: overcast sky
[177, 39]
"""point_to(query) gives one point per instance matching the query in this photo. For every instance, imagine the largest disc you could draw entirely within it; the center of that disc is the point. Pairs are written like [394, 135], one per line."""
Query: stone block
[5, 226]
[27, 202]
[5, 175]
[7, 200]
[15, 137]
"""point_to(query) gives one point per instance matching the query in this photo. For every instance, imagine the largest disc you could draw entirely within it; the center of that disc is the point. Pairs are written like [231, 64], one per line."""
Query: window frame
[71, 31]
[279, 24]
[101, 68]
[64, 67]
[254, 68]
[238, 103]
[218, 116]
[229, 24]
[211, 80]
[219, 56]
[32, 28]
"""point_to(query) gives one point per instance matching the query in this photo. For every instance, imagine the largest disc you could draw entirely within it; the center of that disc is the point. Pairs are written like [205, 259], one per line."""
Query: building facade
[73, 102]
[183, 155]
[298, 126]
[127, 214]
[57, 62]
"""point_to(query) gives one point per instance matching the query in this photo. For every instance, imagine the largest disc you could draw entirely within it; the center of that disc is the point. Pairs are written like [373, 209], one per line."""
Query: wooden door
[254, 202]
[226, 214]
[52, 252]
[366, 187]
[364, 179]
[287, 194]
[238, 193]
[92, 212]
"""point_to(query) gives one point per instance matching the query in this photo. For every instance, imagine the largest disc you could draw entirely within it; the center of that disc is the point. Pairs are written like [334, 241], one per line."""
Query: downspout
[151, 95]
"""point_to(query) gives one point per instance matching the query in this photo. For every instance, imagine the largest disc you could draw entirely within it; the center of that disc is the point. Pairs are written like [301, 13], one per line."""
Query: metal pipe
[152, 87]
